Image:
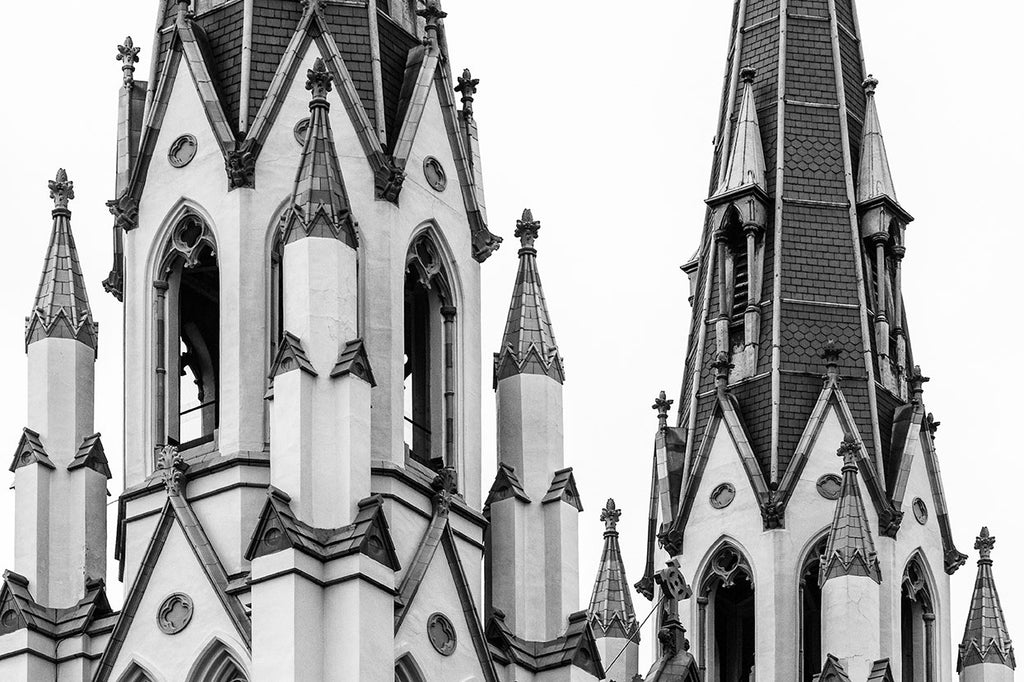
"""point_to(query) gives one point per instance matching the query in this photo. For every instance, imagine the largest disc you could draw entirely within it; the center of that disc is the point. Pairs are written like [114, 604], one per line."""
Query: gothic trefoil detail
[61, 308]
[986, 638]
[528, 346]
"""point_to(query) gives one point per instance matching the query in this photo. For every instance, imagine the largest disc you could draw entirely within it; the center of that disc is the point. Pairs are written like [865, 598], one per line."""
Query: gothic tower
[799, 346]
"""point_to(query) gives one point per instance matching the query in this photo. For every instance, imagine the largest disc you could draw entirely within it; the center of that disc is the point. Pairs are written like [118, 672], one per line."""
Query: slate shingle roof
[611, 604]
[986, 637]
[851, 548]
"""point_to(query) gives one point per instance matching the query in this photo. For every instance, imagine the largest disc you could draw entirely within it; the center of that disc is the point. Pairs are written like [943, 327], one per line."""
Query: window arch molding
[726, 571]
[432, 384]
[183, 207]
[809, 607]
[218, 663]
[407, 670]
[919, 609]
[137, 672]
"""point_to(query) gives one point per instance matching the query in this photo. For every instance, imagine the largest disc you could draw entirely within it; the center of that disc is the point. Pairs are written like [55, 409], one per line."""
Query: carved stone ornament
[172, 467]
[829, 486]
[301, 130]
[240, 166]
[434, 173]
[723, 495]
[441, 633]
[125, 210]
[190, 235]
[728, 566]
[182, 151]
[175, 613]
[920, 510]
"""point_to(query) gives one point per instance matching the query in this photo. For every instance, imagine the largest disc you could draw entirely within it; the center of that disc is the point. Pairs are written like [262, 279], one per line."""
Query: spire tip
[870, 84]
[985, 544]
[747, 74]
[62, 190]
[527, 229]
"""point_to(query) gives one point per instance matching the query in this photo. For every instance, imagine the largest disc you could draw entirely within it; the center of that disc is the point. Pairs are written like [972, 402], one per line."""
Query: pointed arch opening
[406, 670]
[430, 316]
[187, 335]
[136, 673]
[811, 655]
[217, 663]
[917, 623]
[727, 617]
[740, 262]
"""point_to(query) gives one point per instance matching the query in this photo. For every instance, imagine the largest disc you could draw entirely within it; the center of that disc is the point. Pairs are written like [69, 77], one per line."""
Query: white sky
[600, 116]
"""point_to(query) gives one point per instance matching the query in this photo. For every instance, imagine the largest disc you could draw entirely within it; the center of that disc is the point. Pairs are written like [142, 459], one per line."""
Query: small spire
[528, 345]
[467, 87]
[986, 637]
[527, 229]
[662, 405]
[611, 605]
[61, 307]
[320, 204]
[874, 179]
[128, 55]
[746, 166]
[851, 549]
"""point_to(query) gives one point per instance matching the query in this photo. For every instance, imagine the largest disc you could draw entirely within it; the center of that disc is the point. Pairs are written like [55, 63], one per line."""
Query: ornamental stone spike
[62, 190]
[610, 516]
[662, 405]
[318, 81]
[985, 543]
[527, 229]
[128, 55]
[467, 87]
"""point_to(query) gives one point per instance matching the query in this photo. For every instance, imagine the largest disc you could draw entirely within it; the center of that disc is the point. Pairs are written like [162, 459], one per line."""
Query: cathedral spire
[986, 638]
[851, 549]
[320, 204]
[61, 307]
[528, 345]
[874, 179]
[746, 162]
[611, 605]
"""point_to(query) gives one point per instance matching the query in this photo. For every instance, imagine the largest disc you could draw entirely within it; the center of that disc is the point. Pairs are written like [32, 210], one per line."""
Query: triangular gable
[291, 356]
[176, 509]
[14, 599]
[354, 360]
[953, 558]
[506, 484]
[881, 671]
[90, 455]
[563, 489]
[832, 671]
[726, 411]
[30, 451]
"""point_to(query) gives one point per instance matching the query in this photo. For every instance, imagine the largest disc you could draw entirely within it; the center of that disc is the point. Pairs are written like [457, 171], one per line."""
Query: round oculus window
[829, 486]
[920, 511]
[433, 171]
[182, 151]
[723, 495]
[301, 130]
[441, 633]
[175, 613]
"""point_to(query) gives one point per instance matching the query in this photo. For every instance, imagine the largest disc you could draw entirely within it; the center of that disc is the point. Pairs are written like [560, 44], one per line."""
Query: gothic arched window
[217, 664]
[726, 618]
[187, 311]
[135, 673]
[917, 625]
[406, 670]
[429, 371]
[810, 612]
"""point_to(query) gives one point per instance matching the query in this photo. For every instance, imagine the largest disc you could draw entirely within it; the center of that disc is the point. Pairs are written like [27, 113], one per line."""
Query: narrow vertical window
[810, 613]
[728, 618]
[917, 626]
[429, 364]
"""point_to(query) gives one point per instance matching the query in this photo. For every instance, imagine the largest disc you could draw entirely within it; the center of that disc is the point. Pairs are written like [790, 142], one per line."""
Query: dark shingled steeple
[986, 638]
[611, 606]
[851, 549]
[320, 205]
[528, 346]
[61, 308]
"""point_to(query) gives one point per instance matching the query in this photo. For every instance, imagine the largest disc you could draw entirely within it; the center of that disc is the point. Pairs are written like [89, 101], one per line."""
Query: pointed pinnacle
[610, 516]
[662, 405]
[62, 190]
[467, 87]
[128, 55]
[848, 451]
[747, 74]
[527, 229]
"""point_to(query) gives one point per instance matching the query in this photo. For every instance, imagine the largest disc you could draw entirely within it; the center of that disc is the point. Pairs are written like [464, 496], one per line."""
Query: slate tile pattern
[986, 638]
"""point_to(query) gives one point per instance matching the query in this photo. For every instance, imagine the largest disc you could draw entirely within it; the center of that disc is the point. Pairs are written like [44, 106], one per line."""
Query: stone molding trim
[19, 610]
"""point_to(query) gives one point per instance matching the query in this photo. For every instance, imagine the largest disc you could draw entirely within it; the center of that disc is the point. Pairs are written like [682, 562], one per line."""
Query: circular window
[442, 634]
[273, 538]
[301, 129]
[9, 620]
[182, 151]
[723, 495]
[829, 486]
[433, 171]
[175, 613]
[920, 511]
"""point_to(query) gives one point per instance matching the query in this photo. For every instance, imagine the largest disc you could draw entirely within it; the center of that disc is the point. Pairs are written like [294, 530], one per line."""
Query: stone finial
[870, 84]
[722, 367]
[62, 190]
[662, 405]
[932, 423]
[446, 486]
[916, 382]
[985, 543]
[747, 74]
[610, 516]
[128, 55]
[319, 79]
[527, 229]
[467, 88]
[848, 451]
[172, 467]
[432, 14]
[830, 353]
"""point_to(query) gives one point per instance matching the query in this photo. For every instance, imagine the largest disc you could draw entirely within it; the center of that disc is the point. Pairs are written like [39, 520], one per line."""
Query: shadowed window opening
[727, 619]
[917, 626]
[810, 613]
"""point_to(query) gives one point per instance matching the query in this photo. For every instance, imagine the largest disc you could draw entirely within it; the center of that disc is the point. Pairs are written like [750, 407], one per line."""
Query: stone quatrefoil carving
[441, 633]
[175, 613]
